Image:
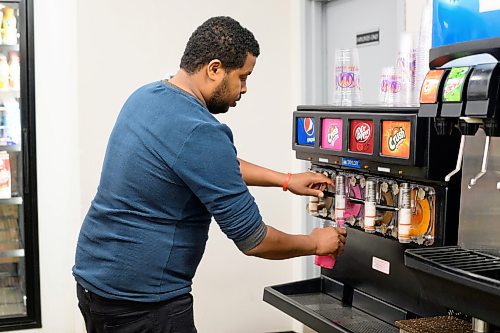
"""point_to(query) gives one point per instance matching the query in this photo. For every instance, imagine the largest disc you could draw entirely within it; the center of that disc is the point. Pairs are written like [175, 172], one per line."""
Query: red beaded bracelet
[285, 183]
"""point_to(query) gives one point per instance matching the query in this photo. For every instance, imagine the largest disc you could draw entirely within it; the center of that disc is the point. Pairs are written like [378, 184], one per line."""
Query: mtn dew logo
[453, 86]
[397, 138]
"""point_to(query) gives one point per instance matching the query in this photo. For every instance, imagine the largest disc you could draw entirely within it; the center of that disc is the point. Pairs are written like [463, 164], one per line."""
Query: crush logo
[333, 134]
[397, 138]
[362, 132]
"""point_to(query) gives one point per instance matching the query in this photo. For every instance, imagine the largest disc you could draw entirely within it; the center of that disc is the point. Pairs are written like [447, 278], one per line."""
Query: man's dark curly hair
[220, 38]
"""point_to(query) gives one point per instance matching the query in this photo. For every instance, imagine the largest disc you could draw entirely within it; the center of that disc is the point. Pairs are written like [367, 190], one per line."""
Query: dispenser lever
[459, 159]
[484, 166]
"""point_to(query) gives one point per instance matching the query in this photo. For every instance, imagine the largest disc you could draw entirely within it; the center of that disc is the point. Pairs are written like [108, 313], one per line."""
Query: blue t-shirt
[170, 166]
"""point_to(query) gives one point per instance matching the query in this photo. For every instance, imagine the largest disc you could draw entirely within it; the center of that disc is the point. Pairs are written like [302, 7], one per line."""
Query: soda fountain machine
[419, 191]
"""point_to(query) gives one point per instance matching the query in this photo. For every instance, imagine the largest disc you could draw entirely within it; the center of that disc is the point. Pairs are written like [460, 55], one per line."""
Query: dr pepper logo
[361, 136]
[362, 132]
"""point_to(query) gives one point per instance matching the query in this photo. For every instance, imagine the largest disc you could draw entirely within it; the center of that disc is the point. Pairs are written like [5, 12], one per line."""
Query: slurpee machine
[418, 190]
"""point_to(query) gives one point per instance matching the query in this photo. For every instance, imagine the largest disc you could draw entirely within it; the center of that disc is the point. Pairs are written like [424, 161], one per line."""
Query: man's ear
[214, 70]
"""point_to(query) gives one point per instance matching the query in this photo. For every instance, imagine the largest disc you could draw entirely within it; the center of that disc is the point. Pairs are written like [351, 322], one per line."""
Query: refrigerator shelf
[11, 148]
[12, 201]
[7, 48]
[18, 253]
[10, 94]
[318, 304]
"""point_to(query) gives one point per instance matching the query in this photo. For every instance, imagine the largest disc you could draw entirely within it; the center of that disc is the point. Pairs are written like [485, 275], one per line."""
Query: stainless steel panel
[480, 205]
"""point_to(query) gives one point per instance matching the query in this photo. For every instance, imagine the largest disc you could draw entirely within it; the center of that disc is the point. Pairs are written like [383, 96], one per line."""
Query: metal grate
[442, 324]
[473, 264]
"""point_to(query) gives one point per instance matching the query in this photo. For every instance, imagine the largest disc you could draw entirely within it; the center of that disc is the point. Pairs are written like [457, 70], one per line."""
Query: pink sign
[331, 136]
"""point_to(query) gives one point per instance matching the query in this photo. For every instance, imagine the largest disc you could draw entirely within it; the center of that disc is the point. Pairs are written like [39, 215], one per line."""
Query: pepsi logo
[309, 126]
[362, 132]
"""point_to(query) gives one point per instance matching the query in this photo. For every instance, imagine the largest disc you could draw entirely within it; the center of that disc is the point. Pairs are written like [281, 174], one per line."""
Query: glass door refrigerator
[19, 273]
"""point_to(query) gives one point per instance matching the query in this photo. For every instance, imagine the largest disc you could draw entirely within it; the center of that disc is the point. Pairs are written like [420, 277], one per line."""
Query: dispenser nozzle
[484, 166]
[459, 159]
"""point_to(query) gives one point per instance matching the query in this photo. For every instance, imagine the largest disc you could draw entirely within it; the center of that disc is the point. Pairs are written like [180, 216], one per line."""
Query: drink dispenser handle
[459, 159]
[484, 166]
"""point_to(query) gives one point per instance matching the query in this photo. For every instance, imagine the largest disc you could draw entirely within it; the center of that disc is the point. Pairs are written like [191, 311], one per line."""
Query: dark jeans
[104, 315]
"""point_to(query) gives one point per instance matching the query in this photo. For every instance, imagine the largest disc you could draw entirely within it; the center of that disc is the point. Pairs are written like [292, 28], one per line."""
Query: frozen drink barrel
[340, 200]
[370, 201]
[404, 214]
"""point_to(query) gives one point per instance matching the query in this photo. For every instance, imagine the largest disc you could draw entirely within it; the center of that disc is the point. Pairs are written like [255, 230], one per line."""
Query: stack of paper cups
[406, 68]
[347, 88]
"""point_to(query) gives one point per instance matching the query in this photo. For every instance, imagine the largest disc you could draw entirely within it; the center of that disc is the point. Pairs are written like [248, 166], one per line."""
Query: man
[170, 167]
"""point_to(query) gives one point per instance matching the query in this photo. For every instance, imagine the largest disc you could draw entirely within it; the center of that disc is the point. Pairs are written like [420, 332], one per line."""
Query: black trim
[439, 56]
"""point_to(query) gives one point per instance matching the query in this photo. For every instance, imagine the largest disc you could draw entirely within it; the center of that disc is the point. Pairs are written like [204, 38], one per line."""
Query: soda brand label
[430, 87]
[453, 87]
[361, 136]
[306, 131]
[331, 134]
[396, 136]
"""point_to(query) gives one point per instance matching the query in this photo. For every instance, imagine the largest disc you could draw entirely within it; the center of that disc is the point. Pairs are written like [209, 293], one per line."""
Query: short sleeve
[207, 163]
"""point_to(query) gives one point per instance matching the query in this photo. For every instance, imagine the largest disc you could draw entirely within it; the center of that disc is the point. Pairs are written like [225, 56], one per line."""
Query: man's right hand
[329, 240]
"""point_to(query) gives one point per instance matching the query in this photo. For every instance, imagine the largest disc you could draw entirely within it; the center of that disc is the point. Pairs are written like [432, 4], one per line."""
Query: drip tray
[460, 279]
[472, 268]
[317, 304]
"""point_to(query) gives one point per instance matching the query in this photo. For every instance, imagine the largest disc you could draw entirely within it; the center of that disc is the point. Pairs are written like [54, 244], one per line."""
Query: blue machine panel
[456, 21]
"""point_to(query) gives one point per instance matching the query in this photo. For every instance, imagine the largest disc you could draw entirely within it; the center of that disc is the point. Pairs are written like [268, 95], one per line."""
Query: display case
[19, 272]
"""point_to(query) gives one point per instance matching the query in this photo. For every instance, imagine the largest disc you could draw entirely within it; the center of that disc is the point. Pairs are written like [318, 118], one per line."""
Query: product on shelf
[4, 72]
[5, 177]
[9, 26]
[14, 71]
[12, 121]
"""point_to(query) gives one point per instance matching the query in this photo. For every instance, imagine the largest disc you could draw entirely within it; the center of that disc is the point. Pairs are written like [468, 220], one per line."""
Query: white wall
[121, 47]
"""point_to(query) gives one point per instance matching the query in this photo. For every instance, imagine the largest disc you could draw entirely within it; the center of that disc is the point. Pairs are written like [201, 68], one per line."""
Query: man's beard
[216, 104]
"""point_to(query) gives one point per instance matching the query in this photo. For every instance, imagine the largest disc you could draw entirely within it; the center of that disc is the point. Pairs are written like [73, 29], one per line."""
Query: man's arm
[279, 245]
[306, 183]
